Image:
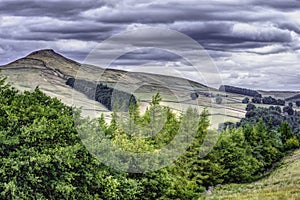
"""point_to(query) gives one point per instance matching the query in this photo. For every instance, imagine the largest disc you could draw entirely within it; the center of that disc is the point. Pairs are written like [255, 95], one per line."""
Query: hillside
[49, 70]
[294, 98]
[287, 95]
[281, 183]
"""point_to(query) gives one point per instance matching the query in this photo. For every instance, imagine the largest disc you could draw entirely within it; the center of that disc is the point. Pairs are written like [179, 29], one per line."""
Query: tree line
[264, 100]
[237, 90]
[105, 95]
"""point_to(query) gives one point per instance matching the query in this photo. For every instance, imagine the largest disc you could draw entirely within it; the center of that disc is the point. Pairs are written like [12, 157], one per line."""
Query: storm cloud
[253, 43]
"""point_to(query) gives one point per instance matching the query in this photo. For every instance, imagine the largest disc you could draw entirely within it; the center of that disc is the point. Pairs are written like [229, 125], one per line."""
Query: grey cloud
[289, 25]
[221, 37]
[154, 56]
[276, 50]
[287, 5]
[251, 28]
[151, 54]
[63, 9]
[234, 75]
[81, 27]
[52, 30]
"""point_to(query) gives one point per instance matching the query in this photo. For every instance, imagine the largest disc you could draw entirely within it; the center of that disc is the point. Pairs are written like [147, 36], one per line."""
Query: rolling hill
[50, 70]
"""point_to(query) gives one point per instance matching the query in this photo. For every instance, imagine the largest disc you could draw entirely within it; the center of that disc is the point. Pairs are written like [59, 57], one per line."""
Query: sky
[253, 44]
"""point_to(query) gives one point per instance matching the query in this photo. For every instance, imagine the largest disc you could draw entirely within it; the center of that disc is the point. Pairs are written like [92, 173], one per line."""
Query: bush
[250, 107]
[219, 100]
[289, 110]
[292, 143]
[246, 100]
[194, 96]
[256, 100]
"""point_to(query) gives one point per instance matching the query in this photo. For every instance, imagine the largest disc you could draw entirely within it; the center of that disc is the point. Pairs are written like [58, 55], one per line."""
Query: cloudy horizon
[253, 44]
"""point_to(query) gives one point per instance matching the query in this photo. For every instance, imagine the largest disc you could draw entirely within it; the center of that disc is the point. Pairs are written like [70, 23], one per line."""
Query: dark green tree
[250, 107]
[246, 100]
[219, 100]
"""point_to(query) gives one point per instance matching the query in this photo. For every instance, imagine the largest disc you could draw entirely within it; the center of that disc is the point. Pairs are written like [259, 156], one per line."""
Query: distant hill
[284, 95]
[293, 98]
[279, 94]
[50, 70]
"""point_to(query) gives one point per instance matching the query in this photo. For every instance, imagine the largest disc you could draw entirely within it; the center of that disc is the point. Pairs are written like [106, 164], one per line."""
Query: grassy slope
[43, 68]
[282, 183]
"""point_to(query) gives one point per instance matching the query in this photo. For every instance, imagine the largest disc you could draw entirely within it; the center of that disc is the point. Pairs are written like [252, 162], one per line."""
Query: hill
[281, 183]
[293, 98]
[50, 70]
[285, 95]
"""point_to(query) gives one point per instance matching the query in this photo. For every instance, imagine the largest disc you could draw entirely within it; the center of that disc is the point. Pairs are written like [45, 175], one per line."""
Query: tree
[42, 156]
[278, 109]
[256, 100]
[155, 116]
[134, 110]
[264, 146]
[250, 107]
[245, 100]
[269, 100]
[288, 109]
[190, 166]
[234, 155]
[219, 100]
[292, 143]
[280, 102]
[156, 99]
[225, 125]
[285, 131]
[107, 96]
[194, 95]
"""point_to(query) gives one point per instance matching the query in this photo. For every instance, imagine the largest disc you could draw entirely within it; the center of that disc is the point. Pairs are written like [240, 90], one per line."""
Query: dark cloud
[170, 12]
[292, 26]
[74, 28]
[287, 5]
[151, 54]
[229, 36]
[239, 35]
[56, 9]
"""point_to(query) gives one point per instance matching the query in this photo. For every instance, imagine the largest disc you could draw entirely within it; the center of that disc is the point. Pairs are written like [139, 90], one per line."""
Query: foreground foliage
[43, 155]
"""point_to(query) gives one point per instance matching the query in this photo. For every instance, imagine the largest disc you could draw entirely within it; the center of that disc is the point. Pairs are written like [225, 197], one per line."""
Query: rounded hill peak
[44, 52]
